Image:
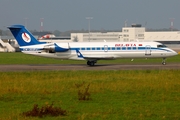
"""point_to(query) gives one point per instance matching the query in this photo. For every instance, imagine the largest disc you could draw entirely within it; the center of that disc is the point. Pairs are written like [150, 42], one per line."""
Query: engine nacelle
[63, 47]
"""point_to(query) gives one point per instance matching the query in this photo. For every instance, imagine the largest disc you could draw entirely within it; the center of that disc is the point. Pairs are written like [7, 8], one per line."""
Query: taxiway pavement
[46, 67]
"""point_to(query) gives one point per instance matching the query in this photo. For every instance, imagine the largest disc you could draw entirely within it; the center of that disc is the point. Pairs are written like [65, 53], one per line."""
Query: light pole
[89, 18]
[41, 27]
[172, 23]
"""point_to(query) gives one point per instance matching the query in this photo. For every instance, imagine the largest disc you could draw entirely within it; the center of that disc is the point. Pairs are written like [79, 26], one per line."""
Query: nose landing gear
[164, 61]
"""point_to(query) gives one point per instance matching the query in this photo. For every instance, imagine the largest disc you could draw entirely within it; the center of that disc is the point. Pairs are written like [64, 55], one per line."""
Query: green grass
[139, 94]
[20, 58]
[127, 94]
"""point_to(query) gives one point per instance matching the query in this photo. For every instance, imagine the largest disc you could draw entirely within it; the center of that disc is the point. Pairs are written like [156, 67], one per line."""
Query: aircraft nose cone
[175, 53]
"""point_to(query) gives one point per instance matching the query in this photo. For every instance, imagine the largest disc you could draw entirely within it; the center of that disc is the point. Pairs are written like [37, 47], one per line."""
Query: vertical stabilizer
[23, 36]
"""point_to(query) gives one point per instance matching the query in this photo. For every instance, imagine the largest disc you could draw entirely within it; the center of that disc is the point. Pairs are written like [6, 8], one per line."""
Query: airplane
[89, 51]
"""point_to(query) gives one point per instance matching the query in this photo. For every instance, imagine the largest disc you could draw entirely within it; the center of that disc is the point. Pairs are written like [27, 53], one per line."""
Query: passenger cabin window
[161, 46]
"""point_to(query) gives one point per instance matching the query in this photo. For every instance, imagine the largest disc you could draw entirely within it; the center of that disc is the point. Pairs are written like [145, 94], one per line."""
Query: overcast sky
[66, 15]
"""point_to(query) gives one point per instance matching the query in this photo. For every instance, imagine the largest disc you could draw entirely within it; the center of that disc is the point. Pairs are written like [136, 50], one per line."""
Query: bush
[44, 111]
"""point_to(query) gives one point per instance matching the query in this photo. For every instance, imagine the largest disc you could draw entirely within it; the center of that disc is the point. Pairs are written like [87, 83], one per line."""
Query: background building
[129, 34]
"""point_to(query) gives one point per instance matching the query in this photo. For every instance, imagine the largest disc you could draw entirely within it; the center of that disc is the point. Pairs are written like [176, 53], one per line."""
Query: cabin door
[148, 50]
[105, 48]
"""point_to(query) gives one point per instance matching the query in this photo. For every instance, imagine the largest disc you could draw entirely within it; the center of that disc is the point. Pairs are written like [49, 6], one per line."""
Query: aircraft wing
[98, 57]
[94, 57]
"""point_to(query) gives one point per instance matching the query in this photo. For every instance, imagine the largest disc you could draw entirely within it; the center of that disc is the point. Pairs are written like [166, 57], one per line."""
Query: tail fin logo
[26, 37]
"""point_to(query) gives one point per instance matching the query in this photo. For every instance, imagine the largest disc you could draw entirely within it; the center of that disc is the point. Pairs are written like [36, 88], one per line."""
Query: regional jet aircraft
[89, 51]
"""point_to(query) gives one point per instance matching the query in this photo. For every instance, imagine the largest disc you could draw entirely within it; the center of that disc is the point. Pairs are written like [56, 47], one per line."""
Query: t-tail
[23, 36]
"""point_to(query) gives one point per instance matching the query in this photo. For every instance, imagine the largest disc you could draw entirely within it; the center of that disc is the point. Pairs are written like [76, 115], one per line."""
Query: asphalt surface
[45, 67]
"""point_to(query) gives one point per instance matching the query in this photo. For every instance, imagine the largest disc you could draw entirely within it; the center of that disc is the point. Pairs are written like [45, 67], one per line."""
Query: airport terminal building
[128, 34]
[133, 33]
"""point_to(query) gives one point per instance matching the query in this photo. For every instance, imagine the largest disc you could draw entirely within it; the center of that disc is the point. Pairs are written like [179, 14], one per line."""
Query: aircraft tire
[164, 61]
[90, 63]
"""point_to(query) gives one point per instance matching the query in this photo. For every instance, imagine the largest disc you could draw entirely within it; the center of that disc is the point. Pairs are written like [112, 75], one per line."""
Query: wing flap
[99, 57]
[94, 57]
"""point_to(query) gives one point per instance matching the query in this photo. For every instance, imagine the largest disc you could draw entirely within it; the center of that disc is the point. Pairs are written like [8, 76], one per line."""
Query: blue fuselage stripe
[103, 49]
[117, 48]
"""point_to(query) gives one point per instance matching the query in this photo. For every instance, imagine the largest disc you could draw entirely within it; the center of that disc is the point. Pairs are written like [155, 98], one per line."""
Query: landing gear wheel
[88, 62]
[91, 63]
[164, 61]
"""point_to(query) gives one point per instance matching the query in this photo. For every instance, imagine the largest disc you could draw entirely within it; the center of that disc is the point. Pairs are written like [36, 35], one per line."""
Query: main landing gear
[91, 63]
[164, 61]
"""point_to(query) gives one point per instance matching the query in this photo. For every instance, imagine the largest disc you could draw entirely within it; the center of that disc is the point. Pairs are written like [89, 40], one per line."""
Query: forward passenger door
[148, 50]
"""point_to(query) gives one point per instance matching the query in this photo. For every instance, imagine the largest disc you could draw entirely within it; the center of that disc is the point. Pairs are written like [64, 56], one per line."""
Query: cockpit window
[161, 46]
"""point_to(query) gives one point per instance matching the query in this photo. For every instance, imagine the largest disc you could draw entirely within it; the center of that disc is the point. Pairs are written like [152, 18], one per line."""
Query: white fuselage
[103, 50]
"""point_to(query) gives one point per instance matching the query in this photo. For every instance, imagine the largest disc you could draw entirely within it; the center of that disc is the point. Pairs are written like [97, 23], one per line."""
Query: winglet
[79, 54]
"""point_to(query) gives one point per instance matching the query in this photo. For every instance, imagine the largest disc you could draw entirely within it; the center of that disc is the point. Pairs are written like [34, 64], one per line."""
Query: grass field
[128, 94]
[114, 94]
